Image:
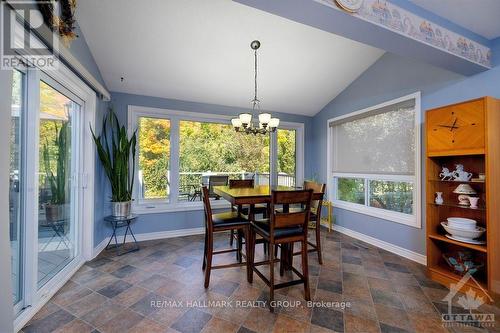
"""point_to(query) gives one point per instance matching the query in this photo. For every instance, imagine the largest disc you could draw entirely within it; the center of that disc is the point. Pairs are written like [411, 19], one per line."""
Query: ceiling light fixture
[266, 123]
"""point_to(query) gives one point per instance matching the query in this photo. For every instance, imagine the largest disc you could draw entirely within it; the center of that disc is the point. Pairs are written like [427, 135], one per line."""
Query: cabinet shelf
[447, 204]
[457, 182]
[476, 247]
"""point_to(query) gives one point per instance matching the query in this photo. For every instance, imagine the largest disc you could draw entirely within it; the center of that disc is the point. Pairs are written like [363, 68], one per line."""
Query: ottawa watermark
[470, 301]
[20, 23]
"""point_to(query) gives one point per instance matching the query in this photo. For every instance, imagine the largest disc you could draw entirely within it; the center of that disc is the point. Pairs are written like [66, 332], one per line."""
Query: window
[154, 158]
[287, 147]
[180, 151]
[210, 149]
[374, 160]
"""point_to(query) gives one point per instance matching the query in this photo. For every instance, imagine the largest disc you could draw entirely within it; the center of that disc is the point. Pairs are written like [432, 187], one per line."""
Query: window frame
[153, 206]
[413, 220]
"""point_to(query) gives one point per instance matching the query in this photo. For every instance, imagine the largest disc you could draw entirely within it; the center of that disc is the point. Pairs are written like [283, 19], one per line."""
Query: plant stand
[117, 223]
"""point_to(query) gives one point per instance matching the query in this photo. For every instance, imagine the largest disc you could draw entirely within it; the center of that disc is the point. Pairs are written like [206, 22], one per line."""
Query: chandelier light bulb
[264, 118]
[245, 118]
[236, 122]
[274, 122]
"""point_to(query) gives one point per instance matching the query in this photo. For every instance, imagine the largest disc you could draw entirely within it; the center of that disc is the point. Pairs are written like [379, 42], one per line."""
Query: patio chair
[218, 180]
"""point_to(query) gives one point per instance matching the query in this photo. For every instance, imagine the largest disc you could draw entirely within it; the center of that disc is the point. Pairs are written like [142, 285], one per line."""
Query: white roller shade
[380, 141]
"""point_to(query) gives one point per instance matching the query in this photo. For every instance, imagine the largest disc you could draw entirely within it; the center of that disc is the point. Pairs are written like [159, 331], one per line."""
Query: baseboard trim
[401, 251]
[150, 236]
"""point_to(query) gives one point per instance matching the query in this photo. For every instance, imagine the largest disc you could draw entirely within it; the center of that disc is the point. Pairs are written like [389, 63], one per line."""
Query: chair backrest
[216, 181]
[207, 207]
[290, 219]
[317, 188]
[241, 183]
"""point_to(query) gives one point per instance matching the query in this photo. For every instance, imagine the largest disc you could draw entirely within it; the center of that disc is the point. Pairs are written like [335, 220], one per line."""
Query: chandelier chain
[255, 100]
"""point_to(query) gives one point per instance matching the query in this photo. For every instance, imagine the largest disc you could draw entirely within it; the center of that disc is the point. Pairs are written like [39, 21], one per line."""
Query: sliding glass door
[46, 201]
[57, 155]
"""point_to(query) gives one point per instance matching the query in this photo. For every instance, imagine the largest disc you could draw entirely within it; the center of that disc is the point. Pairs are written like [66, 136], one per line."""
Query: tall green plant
[57, 182]
[117, 156]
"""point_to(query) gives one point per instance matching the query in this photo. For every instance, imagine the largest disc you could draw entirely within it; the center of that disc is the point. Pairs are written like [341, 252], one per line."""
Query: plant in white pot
[117, 152]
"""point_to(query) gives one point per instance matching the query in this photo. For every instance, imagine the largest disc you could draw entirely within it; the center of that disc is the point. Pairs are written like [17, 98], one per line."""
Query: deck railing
[190, 182]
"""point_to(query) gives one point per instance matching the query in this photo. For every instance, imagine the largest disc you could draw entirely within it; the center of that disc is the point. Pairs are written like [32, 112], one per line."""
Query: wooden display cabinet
[466, 133]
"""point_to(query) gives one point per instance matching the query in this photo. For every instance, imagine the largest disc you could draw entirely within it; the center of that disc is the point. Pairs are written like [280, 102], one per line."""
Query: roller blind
[380, 141]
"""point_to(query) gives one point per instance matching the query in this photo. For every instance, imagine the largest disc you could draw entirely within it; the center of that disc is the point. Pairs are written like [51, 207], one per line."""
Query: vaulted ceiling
[199, 51]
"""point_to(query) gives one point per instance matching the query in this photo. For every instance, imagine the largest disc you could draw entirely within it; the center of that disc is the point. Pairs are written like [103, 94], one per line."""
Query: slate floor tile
[327, 318]
[49, 323]
[124, 271]
[114, 288]
[192, 321]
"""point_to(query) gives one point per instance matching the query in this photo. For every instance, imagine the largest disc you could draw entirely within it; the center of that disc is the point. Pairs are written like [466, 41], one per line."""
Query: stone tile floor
[386, 293]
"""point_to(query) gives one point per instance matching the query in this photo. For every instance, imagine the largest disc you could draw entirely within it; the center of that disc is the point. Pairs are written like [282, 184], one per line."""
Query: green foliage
[57, 182]
[395, 196]
[117, 158]
[154, 156]
[351, 190]
[286, 151]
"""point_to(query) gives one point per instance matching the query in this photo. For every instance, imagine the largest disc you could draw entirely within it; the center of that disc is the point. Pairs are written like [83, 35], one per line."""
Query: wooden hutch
[466, 133]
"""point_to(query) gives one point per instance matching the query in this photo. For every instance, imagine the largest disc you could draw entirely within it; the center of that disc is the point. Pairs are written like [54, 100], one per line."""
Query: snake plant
[117, 157]
[57, 182]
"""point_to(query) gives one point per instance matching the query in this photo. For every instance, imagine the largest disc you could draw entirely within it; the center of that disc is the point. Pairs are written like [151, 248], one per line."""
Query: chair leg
[210, 250]
[318, 241]
[231, 238]
[283, 256]
[204, 265]
[239, 245]
[248, 252]
[271, 277]
[305, 270]
[251, 253]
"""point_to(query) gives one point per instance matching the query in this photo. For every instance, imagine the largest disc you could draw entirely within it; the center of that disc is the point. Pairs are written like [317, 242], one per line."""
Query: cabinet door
[456, 129]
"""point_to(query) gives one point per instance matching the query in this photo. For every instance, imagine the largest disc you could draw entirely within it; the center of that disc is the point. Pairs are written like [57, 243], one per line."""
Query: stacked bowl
[462, 229]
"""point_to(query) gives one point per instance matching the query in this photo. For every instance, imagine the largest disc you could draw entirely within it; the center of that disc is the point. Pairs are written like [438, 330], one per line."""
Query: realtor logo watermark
[16, 41]
[470, 302]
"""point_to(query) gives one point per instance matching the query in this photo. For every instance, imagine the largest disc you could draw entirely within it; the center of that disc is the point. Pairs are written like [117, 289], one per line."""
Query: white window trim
[155, 206]
[406, 219]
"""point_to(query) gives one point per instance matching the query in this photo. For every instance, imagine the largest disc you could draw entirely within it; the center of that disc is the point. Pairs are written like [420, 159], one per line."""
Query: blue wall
[80, 50]
[178, 220]
[390, 77]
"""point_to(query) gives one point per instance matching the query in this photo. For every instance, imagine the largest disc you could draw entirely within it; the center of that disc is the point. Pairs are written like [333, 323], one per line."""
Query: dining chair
[219, 180]
[315, 217]
[222, 222]
[283, 228]
[258, 208]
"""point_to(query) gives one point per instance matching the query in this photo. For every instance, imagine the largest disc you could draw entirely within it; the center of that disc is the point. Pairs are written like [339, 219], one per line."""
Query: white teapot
[460, 175]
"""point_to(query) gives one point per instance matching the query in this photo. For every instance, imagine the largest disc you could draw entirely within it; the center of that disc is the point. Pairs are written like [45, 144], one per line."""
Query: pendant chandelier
[246, 122]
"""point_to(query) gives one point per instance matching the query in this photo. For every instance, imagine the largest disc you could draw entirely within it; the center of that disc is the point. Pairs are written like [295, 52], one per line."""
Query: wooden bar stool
[315, 217]
[258, 208]
[284, 229]
[218, 223]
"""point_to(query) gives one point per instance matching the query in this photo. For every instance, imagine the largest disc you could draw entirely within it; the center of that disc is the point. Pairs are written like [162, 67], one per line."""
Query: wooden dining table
[254, 195]
[257, 195]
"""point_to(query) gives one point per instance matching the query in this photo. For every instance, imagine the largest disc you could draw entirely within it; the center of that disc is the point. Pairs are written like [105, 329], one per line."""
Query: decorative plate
[351, 6]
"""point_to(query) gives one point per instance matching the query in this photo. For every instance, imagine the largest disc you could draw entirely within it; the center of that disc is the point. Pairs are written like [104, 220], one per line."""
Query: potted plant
[116, 158]
[55, 209]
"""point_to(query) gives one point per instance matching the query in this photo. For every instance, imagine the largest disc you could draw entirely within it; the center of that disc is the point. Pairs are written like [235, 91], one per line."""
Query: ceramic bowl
[463, 233]
[461, 223]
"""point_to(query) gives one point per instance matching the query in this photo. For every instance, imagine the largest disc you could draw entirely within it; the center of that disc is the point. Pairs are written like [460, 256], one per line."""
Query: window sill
[158, 208]
[409, 220]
